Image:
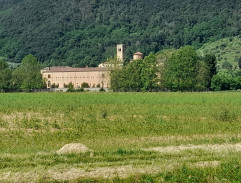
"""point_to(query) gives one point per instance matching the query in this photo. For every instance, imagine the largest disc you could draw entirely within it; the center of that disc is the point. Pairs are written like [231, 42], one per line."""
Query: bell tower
[120, 52]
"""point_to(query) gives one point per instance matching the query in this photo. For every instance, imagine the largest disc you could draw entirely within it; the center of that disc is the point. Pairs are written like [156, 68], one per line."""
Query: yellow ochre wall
[93, 78]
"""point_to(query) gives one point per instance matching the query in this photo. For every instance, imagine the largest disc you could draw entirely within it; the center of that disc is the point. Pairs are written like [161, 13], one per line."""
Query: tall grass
[116, 126]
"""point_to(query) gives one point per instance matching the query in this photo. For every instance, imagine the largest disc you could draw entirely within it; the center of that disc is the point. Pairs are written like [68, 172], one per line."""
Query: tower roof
[138, 53]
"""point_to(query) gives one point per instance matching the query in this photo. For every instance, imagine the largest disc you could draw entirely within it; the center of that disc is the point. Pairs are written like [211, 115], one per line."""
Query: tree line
[168, 70]
[175, 70]
[26, 77]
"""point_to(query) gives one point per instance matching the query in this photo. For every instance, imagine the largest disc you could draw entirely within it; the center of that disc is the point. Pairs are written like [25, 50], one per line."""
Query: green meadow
[135, 137]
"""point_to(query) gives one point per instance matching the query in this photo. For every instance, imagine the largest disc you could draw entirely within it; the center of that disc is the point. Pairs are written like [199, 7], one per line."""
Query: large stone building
[95, 77]
[62, 76]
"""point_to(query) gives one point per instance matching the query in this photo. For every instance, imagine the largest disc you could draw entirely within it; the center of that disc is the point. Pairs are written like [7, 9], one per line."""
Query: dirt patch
[75, 149]
[206, 147]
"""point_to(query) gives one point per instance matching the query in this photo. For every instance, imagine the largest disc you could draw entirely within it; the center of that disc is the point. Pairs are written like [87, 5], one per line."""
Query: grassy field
[135, 137]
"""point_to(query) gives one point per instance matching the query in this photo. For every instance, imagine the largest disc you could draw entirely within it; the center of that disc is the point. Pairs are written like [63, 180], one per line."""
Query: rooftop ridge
[72, 69]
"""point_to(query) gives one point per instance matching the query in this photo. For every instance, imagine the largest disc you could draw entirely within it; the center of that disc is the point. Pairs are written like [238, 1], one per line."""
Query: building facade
[62, 76]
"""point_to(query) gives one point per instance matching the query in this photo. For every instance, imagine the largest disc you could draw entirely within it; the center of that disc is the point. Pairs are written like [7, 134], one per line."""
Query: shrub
[80, 90]
[54, 85]
[70, 87]
[70, 90]
[102, 90]
[85, 85]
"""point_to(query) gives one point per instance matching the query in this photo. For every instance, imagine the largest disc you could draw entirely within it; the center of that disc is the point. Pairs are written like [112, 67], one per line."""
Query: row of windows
[103, 76]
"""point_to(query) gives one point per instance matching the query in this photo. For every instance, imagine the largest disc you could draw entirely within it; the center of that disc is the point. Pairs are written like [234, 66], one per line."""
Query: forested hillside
[85, 32]
[227, 50]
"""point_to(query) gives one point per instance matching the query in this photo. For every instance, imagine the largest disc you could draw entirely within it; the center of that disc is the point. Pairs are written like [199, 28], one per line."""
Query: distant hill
[227, 49]
[85, 32]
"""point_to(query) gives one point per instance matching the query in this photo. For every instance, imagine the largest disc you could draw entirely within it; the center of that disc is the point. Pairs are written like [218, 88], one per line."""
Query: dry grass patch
[203, 164]
[106, 172]
[181, 138]
[207, 147]
[20, 177]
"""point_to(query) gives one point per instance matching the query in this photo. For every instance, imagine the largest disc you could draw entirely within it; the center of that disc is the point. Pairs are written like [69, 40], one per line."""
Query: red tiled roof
[71, 69]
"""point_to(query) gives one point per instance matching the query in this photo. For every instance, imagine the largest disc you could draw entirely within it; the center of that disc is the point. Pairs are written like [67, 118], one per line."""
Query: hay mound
[74, 149]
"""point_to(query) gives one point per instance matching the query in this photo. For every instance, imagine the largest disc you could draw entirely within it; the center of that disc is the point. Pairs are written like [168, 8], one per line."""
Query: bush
[54, 85]
[85, 85]
[70, 90]
[102, 90]
[69, 86]
[80, 90]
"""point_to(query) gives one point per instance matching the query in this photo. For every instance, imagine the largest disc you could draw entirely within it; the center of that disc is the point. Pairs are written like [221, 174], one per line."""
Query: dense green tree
[128, 77]
[5, 76]
[222, 81]
[226, 80]
[163, 57]
[149, 73]
[27, 76]
[211, 62]
[139, 75]
[203, 78]
[174, 70]
[181, 70]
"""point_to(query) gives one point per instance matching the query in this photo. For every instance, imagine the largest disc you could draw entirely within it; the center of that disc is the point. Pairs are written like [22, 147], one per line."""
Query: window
[49, 84]
[119, 49]
[49, 76]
